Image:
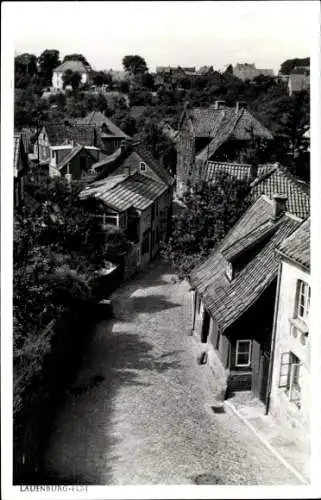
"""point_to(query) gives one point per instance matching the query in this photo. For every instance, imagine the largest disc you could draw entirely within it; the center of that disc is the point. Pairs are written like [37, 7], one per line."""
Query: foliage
[25, 69]
[288, 65]
[76, 57]
[134, 64]
[208, 214]
[29, 108]
[48, 61]
[72, 78]
[58, 248]
[100, 78]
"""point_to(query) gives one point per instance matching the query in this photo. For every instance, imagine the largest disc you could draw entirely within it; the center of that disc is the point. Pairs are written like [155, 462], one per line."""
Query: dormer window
[229, 271]
[142, 166]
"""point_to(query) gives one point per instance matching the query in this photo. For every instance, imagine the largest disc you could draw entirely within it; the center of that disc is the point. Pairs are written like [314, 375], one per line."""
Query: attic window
[142, 166]
[229, 271]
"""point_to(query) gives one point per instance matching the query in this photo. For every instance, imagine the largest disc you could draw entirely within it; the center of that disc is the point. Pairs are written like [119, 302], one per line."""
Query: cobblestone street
[143, 415]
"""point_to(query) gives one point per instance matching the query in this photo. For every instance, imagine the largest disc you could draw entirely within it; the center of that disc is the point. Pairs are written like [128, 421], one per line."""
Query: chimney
[253, 171]
[68, 175]
[279, 205]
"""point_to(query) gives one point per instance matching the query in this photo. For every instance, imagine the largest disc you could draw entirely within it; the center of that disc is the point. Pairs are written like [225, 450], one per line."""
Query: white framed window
[303, 300]
[290, 371]
[243, 353]
[229, 271]
[142, 166]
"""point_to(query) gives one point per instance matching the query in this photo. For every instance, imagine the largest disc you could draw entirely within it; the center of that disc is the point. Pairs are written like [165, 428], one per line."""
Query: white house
[77, 66]
[289, 399]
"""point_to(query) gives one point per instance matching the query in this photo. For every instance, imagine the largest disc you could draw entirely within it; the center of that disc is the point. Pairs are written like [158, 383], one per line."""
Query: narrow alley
[140, 411]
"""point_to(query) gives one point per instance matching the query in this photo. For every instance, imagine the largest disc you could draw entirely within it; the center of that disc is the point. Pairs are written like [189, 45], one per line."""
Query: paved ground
[143, 415]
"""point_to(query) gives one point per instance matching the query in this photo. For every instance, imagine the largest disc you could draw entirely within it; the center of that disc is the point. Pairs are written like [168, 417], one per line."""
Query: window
[243, 353]
[110, 220]
[142, 166]
[153, 212]
[229, 271]
[303, 300]
[290, 376]
[156, 208]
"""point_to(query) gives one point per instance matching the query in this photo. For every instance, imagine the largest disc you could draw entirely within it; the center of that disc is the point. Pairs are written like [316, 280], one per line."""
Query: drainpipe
[194, 309]
[276, 311]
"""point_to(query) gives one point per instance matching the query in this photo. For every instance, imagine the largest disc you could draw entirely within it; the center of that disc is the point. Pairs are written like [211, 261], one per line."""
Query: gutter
[276, 311]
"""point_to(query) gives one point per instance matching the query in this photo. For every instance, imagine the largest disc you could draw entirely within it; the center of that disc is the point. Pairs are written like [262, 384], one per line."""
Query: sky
[186, 33]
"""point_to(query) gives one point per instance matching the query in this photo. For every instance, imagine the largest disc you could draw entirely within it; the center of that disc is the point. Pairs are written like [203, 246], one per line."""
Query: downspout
[194, 309]
[276, 312]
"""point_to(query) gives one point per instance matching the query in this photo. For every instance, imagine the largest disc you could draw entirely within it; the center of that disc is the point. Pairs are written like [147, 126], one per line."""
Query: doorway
[205, 326]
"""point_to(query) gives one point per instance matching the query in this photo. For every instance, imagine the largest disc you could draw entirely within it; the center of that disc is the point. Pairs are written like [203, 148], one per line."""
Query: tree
[148, 81]
[72, 78]
[48, 61]
[135, 64]
[25, 68]
[100, 78]
[210, 212]
[76, 57]
[288, 65]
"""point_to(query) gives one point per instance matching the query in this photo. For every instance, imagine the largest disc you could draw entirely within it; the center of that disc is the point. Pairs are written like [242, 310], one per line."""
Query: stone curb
[268, 445]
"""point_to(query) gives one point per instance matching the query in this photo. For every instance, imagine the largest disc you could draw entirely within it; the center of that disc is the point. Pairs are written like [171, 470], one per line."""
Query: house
[248, 71]
[234, 294]
[289, 398]
[76, 66]
[217, 132]
[64, 134]
[137, 193]
[72, 162]
[264, 179]
[20, 169]
[110, 135]
[298, 83]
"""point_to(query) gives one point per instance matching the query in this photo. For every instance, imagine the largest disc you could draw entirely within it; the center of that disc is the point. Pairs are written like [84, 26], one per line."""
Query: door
[260, 371]
[205, 326]
[256, 359]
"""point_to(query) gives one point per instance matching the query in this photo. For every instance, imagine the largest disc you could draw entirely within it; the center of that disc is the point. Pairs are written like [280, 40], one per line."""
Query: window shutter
[284, 369]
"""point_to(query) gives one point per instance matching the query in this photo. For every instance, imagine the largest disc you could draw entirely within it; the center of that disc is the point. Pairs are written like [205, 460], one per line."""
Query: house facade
[298, 82]
[136, 193]
[20, 169]
[234, 294]
[66, 134]
[76, 66]
[111, 135]
[72, 162]
[215, 133]
[248, 71]
[289, 399]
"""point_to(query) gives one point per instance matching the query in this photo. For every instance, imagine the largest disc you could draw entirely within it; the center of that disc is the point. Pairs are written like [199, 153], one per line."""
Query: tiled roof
[98, 119]
[252, 238]
[129, 159]
[297, 246]
[73, 66]
[208, 122]
[279, 180]
[85, 135]
[242, 171]
[121, 192]
[226, 300]
[69, 157]
[156, 166]
[270, 179]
